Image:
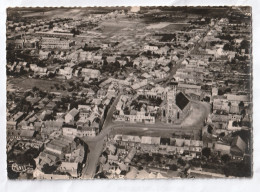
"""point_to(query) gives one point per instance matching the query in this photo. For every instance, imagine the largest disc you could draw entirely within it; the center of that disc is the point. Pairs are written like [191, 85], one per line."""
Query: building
[176, 107]
[92, 73]
[51, 43]
[71, 116]
[69, 167]
[238, 147]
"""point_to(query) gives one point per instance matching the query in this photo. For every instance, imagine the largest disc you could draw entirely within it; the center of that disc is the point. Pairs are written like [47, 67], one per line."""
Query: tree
[234, 124]
[228, 47]
[71, 83]
[47, 169]
[173, 167]
[241, 104]
[210, 129]
[75, 31]
[181, 162]
[225, 158]
[207, 99]
[243, 112]
[238, 169]
[35, 89]
[245, 45]
[206, 152]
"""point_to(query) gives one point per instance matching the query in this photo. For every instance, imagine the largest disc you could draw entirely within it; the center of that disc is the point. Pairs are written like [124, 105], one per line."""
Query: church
[175, 108]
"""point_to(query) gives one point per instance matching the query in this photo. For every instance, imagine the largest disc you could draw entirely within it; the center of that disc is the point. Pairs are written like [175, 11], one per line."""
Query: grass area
[116, 26]
[158, 25]
[27, 83]
[175, 27]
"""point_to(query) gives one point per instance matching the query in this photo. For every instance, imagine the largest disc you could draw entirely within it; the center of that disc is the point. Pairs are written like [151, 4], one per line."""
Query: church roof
[181, 100]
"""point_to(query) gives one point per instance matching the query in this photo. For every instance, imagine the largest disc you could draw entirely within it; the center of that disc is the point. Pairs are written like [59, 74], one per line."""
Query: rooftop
[181, 100]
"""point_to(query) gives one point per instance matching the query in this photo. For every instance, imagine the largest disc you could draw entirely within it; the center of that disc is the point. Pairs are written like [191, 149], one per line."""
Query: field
[176, 26]
[48, 13]
[158, 25]
[117, 26]
[25, 83]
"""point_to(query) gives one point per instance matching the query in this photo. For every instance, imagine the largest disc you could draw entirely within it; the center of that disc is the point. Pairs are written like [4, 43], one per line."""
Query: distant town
[129, 92]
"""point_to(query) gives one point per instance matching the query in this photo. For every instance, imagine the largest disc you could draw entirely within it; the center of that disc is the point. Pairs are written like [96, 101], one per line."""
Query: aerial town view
[129, 92]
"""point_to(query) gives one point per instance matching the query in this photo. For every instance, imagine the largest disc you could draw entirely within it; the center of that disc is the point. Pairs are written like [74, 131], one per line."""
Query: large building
[52, 43]
[175, 107]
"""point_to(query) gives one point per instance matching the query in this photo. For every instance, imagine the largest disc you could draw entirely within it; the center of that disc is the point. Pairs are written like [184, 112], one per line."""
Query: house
[236, 99]
[29, 134]
[150, 48]
[214, 91]
[79, 131]
[222, 148]
[151, 140]
[71, 116]
[185, 62]
[12, 122]
[40, 175]
[46, 158]
[50, 126]
[44, 54]
[163, 50]
[175, 58]
[67, 72]
[38, 70]
[57, 149]
[238, 147]
[141, 117]
[69, 131]
[112, 159]
[130, 155]
[184, 87]
[92, 73]
[111, 59]
[69, 167]
[129, 138]
[140, 84]
[59, 145]
[45, 115]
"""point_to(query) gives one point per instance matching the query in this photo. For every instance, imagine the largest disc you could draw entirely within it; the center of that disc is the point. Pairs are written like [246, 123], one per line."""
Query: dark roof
[181, 100]
[239, 144]
[165, 141]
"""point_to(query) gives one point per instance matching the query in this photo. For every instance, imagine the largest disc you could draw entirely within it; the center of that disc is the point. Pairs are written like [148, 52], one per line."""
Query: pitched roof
[150, 140]
[181, 100]
[27, 133]
[239, 143]
[53, 124]
[130, 138]
[222, 147]
[73, 112]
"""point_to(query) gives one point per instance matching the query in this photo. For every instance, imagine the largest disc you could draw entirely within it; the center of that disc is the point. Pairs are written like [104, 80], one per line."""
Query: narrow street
[95, 144]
